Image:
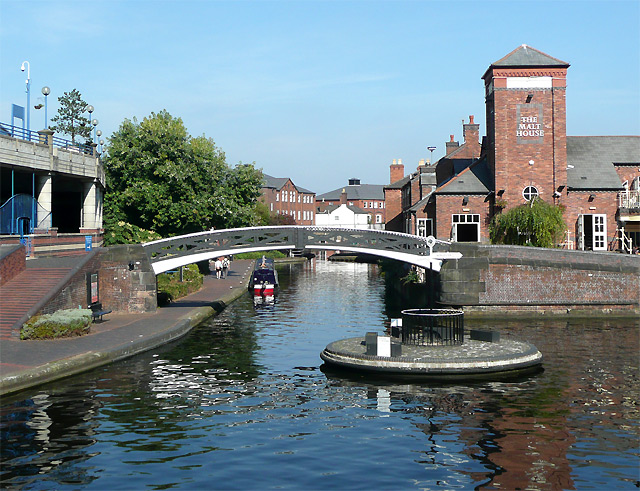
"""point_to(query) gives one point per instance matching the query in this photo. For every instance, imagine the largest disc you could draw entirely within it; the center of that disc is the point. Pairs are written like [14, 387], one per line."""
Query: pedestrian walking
[218, 268]
[225, 266]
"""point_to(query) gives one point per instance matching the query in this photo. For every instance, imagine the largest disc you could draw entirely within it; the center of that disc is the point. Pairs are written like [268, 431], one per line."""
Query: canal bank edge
[119, 350]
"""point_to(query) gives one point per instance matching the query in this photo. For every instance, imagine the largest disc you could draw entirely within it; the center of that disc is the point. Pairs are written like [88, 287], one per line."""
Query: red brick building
[525, 155]
[283, 197]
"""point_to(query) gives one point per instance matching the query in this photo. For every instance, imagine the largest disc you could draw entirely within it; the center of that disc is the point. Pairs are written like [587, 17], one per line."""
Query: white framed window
[365, 204]
[271, 206]
[424, 227]
[277, 196]
[530, 192]
[378, 218]
[465, 227]
[375, 204]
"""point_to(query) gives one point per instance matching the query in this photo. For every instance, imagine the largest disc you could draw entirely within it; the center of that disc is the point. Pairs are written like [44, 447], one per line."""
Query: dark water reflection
[241, 403]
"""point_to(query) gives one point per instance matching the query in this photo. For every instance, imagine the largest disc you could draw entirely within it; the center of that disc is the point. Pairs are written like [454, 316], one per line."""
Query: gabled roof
[422, 203]
[475, 179]
[591, 159]
[398, 184]
[526, 56]
[277, 183]
[362, 191]
[274, 182]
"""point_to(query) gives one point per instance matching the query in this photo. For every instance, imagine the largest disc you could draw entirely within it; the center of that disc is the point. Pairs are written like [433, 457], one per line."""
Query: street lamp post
[46, 91]
[28, 82]
[431, 149]
[94, 123]
[89, 109]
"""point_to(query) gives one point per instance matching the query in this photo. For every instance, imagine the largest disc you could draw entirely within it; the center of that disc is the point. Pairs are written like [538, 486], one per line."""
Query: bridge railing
[289, 237]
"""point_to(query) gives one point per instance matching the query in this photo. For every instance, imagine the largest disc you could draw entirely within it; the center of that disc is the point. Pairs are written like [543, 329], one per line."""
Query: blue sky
[319, 91]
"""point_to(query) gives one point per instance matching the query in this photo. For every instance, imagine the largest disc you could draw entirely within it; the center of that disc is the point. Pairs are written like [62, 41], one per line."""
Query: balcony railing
[34, 136]
[629, 200]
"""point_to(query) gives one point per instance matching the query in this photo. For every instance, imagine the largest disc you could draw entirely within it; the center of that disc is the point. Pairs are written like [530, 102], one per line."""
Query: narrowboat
[264, 279]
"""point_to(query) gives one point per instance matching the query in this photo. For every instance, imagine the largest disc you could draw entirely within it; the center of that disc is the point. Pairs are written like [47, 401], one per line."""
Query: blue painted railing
[34, 136]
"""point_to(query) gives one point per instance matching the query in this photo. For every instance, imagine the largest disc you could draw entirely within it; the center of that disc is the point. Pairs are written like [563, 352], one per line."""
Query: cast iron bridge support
[171, 253]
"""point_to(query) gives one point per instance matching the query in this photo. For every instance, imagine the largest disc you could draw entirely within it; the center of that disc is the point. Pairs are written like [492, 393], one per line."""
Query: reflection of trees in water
[45, 434]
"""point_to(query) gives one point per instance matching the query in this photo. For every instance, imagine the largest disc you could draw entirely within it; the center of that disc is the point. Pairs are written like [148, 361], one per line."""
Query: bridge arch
[173, 252]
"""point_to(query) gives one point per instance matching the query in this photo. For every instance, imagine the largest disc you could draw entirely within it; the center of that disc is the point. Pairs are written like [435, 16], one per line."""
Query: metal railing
[433, 327]
[34, 136]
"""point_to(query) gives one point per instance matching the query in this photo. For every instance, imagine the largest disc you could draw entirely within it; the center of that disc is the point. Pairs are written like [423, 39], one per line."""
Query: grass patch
[60, 324]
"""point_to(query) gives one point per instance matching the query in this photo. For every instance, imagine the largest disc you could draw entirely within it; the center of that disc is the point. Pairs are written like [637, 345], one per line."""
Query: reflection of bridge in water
[171, 253]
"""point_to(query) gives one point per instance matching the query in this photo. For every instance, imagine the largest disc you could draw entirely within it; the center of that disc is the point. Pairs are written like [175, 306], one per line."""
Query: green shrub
[171, 288]
[536, 224]
[258, 255]
[120, 232]
[60, 324]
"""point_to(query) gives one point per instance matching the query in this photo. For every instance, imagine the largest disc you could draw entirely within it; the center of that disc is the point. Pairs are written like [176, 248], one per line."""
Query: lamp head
[46, 91]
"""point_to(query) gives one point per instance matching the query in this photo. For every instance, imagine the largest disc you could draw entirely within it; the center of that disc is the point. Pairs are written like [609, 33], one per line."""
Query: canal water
[242, 403]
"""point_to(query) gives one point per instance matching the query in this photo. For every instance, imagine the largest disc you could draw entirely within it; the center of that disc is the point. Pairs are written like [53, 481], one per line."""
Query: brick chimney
[343, 197]
[396, 171]
[471, 133]
[452, 145]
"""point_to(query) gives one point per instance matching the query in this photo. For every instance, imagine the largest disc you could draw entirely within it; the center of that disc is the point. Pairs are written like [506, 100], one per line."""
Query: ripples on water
[241, 403]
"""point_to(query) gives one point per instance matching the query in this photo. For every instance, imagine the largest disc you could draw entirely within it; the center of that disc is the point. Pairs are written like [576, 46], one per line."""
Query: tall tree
[162, 179]
[70, 118]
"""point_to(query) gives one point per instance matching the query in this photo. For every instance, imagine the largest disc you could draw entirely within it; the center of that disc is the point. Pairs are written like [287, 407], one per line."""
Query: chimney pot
[471, 119]
[451, 138]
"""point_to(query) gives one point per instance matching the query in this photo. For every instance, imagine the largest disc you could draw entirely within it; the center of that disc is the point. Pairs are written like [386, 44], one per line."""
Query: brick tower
[525, 96]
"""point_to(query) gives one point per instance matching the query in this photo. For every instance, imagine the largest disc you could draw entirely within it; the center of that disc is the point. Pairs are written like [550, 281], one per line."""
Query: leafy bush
[60, 324]
[171, 288]
[120, 232]
[536, 224]
[258, 255]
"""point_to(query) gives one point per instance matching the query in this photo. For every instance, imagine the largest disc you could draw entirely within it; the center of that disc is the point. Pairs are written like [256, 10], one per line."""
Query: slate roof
[591, 159]
[278, 182]
[526, 56]
[362, 191]
[475, 179]
[422, 203]
[398, 184]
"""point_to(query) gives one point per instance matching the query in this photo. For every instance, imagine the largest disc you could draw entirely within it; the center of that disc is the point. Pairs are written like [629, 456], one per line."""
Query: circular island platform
[471, 360]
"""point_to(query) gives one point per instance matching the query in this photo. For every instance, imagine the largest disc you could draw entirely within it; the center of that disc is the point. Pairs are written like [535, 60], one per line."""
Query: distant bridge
[171, 253]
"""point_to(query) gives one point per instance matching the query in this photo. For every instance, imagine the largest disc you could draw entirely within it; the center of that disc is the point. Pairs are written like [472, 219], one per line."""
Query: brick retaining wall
[12, 262]
[126, 282]
[527, 278]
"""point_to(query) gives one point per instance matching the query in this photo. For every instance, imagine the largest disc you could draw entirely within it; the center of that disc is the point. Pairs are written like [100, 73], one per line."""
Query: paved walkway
[24, 364]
